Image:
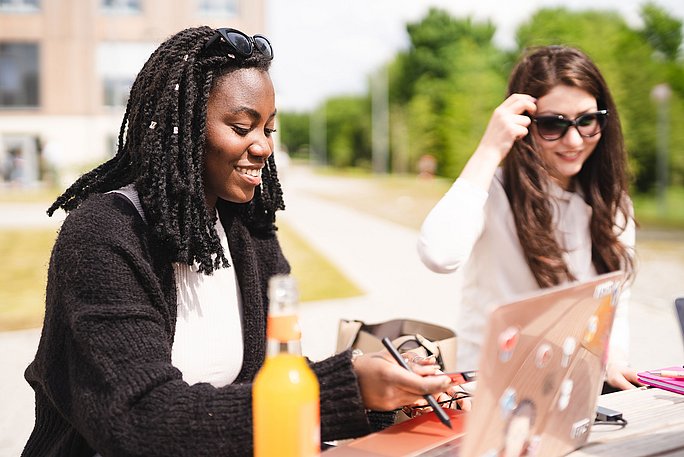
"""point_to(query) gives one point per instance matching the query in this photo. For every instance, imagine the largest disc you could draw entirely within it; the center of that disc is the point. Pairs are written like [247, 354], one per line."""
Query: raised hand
[509, 122]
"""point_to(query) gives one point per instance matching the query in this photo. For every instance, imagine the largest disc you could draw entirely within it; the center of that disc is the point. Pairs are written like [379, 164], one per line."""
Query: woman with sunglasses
[156, 298]
[542, 201]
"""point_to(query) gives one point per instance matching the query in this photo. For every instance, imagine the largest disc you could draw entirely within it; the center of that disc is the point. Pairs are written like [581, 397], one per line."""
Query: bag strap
[431, 347]
[347, 333]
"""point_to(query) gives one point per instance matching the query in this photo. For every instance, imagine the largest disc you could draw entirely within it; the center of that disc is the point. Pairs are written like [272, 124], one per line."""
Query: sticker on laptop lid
[605, 288]
[569, 346]
[591, 329]
[580, 428]
[533, 446]
[597, 332]
[519, 429]
[543, 356]
[508, 402]
[566, 392]
[508, 340]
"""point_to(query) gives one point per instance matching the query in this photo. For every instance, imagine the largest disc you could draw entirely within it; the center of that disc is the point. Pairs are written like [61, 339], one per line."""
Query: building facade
[66, 67]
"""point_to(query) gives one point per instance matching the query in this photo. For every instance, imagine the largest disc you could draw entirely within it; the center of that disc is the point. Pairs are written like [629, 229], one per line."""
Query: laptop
[541, 373]
[679, 307]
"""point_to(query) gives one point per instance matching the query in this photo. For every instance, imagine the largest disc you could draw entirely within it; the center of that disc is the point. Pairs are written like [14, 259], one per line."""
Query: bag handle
[347, 332]
[431, 347]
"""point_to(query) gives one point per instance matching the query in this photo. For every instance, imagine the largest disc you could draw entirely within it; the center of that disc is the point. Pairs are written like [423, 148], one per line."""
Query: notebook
[541, 372]
[667, 383]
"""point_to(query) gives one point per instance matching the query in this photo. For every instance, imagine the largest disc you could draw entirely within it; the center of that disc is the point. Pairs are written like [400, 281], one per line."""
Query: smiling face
[564, 157]
[240, 120]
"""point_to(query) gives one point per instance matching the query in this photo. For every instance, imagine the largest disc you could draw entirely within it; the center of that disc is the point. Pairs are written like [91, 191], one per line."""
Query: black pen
[430, 399]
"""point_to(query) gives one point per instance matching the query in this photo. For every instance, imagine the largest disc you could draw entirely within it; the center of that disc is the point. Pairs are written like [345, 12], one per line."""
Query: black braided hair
[161, 150]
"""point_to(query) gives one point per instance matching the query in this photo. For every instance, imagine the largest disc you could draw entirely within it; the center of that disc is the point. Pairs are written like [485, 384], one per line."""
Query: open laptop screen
[541, 370]
[679, 307]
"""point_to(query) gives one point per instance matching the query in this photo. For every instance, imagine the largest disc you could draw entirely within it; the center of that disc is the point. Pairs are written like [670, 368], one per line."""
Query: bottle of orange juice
[285, 395]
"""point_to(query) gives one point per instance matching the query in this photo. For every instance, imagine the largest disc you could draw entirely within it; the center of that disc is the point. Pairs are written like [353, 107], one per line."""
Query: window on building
[19, 6]
[117, 65]
[18, 75]
[116, 90]
[121, 6]
[220, 7]
[20, 159]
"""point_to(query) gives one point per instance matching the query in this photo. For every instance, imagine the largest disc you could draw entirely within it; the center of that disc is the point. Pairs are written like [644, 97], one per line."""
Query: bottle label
[283, 328]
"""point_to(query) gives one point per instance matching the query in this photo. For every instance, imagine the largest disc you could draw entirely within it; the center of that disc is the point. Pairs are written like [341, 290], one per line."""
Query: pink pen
[668, 373]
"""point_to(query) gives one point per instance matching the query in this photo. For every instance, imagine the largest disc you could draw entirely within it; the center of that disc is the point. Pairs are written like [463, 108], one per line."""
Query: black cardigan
[102, 374]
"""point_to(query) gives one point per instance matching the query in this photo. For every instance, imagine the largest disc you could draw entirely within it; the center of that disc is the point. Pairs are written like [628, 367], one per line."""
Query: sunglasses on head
[554, 127]
[241, 43]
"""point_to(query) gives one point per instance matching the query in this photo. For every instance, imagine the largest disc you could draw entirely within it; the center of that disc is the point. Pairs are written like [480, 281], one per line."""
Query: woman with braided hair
[541, 202]
[156, 300]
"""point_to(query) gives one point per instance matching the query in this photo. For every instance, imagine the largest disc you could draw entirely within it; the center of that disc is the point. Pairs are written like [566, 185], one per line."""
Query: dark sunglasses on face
[554, 127]
[241, 43]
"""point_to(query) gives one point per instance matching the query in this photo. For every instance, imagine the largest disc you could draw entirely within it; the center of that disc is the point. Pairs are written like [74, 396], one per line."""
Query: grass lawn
[403, 199]
[407, 199]
[317, 277]
[26, 254]
[30, 195]
[650, 212]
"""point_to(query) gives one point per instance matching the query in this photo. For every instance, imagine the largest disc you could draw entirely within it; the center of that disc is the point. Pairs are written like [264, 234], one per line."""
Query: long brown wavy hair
[603, 178]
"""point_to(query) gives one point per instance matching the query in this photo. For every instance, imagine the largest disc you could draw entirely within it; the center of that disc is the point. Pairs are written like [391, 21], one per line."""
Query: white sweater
[475, 230]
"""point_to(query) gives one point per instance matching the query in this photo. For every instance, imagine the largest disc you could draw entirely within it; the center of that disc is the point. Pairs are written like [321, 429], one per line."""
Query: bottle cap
[284, 327]
[282, 293]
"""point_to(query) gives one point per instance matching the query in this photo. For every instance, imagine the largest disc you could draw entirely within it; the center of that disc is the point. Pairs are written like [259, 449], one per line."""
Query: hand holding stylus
[429, 398]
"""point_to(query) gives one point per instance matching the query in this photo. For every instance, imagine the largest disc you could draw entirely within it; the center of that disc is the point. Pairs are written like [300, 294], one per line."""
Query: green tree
[348, 126]
[444, 88]
[664, 34]
[476, 86]
[662, 31]
[431, 53]
[294, 132]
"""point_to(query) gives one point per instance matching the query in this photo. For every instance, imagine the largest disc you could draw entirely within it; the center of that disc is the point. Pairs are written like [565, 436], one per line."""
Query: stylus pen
[430, 399]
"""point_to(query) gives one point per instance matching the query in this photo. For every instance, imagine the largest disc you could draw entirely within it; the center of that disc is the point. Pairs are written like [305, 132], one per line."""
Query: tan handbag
[407, 335]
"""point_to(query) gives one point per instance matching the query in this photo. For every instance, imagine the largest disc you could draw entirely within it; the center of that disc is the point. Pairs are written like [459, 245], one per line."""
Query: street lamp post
[318, 137]
[661, 95]
[380, 121]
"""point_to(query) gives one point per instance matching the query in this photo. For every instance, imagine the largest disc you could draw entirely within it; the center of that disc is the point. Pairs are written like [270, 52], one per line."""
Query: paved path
[380, 257]
[16, 421]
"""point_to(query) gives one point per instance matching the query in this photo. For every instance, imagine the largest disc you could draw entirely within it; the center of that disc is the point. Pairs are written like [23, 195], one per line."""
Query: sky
[325, 48]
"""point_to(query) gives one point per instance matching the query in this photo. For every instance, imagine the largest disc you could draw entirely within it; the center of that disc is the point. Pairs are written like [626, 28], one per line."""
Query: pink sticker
[569, 346]
[543, 356]
[508, 340]
[592, 328]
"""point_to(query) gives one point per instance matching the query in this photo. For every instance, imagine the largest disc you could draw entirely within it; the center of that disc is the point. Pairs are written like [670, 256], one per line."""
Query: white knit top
[207, 344]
